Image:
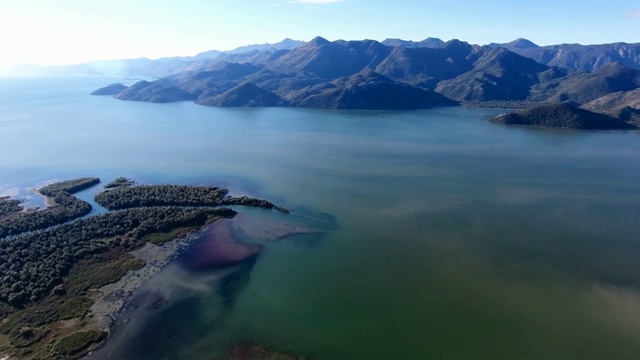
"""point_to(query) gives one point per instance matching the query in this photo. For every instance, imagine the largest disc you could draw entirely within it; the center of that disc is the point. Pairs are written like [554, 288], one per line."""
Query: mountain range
[567, 56]
[369, 74]
[577, 56]
[397, 74]
[153, 68]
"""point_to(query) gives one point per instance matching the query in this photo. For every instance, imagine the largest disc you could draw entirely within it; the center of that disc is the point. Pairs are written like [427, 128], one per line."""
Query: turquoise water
[449, 236]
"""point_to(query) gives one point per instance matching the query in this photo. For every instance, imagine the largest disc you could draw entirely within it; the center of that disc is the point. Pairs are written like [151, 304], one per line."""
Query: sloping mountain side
[577, 56]
[583, 87]
[564, 116]
[370, 90]
[624, 105]
[427, 66]
[329, 60]
[113, 89]
[498, 75]
[245, 95]
[370, 75]
[152, 92]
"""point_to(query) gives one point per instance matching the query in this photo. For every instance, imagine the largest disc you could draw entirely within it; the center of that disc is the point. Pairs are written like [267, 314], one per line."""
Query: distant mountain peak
[429, 42]
[521, 43]
[456, 44]
[318, 40]
[286, 44]
[503, 58]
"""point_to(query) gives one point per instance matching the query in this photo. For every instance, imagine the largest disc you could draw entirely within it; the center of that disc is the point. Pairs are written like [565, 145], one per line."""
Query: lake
[439, 234]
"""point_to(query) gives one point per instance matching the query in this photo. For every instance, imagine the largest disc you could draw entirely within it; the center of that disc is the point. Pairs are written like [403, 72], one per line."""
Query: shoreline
[110, 300]
[48, 202]
[106, 264]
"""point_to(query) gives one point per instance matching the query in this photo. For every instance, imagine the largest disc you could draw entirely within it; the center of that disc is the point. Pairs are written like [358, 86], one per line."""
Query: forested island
[49, 265]
[126, 196]
[563, 116]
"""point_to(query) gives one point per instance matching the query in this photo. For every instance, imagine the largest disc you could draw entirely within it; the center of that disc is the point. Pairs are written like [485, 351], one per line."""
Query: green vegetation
[121, 181]
[46, 312]
[69, 301]
[66, 207]
[78, 342]
[9, 206]
[32, 264]
[74, 307]
[5, 309]
[26, 336]
[173, 195]
[69, 186]
[160, 195]
[106, 269]
[165, 236]
[562, 115]
[248, 201]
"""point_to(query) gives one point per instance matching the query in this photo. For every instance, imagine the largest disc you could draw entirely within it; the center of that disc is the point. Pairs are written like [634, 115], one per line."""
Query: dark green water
[449, 236]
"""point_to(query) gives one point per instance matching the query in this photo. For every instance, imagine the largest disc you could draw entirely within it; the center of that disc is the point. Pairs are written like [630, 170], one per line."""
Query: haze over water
[453, 237]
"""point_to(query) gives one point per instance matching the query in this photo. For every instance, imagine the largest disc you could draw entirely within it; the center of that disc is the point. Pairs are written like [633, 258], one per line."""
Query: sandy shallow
[110, 300]
[117, 307]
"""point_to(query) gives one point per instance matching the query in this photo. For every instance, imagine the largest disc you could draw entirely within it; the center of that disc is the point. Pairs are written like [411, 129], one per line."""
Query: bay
[442, 235]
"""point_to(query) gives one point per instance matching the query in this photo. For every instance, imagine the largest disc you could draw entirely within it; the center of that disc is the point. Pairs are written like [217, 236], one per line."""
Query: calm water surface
[442, 235]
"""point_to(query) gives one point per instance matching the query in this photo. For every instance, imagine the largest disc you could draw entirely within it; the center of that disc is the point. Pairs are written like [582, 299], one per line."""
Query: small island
[563, 116]
[51, 265]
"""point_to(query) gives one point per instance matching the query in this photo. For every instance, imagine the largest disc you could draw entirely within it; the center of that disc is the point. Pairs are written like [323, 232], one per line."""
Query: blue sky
[72, 31]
